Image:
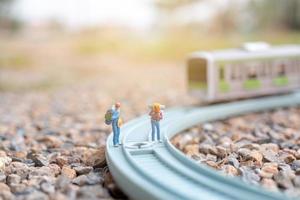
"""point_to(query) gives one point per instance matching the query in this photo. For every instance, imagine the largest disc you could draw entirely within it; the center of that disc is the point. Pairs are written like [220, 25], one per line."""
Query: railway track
[146, 170]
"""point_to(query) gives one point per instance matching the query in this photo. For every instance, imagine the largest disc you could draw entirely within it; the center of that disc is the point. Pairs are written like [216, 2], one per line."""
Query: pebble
[256, 155]
[269, 184]
[4, 161]
[38, 159]
[295, 165]
[230, 170]
[83, 169]
[47, 188]
[92, 192]
[68, 172]
[2, 177]
[62, 182]
[13, 179]
[269, 170]
[192, 149]
[80, 180]
[5, 192]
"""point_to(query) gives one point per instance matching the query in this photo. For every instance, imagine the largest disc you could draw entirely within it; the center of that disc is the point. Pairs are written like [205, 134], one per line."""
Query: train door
[197, 76]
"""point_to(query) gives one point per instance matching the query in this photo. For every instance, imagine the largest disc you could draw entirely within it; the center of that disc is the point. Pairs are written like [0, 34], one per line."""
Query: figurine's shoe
[116, 145]
[160, 141]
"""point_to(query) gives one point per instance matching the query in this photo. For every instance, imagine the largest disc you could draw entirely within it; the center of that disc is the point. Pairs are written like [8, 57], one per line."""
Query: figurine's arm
[150, 113]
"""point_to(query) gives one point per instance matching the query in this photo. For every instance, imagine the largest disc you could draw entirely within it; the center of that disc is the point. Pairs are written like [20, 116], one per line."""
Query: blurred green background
[54, 43]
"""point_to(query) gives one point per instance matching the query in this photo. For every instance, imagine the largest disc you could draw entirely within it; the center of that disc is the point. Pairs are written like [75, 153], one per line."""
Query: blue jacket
[115, 114]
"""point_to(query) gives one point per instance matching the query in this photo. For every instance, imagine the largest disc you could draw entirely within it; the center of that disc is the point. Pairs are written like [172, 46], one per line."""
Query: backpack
[108, 116]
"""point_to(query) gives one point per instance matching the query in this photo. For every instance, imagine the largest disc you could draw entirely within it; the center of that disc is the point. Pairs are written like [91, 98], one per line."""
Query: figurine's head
[117, 105]
[156, 107]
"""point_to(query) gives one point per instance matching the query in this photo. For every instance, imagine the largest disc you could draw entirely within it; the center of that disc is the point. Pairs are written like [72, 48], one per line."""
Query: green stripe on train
[197, 85]
[252, 84]
[224, 86]
[281, 81]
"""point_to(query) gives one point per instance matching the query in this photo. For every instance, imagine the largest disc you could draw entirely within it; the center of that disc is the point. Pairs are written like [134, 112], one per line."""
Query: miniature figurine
[112, 117]
[156, 115]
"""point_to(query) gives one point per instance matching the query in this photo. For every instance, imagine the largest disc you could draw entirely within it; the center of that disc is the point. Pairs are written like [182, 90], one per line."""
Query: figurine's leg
[118, 138]
[158, 130]
[115, 134]
[153, 130]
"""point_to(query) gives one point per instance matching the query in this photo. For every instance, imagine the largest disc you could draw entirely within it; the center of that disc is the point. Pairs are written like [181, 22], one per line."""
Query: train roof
[250, 53]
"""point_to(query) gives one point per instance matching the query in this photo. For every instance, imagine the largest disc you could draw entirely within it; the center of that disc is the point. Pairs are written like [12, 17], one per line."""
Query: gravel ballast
[260, 148]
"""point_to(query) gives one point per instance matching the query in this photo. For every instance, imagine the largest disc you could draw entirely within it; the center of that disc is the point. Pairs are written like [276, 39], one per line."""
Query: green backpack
[108, 116]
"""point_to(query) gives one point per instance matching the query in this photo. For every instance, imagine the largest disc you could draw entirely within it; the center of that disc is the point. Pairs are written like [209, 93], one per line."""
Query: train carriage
[255, 69]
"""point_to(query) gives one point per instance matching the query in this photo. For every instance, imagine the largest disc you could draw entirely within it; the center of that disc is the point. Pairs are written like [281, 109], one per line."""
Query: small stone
[251, 146]
[50, 141]
[233, 161]
[245, 153]
[35, 194]
[2, 177]
[41, 171]
[4, 187]
[5, 192]
[288, 158]
[55, 169]
[92, 157]
[286, 170]
[269, 170]
[80, 180]
[47, 188]
[208, 149]
[249, 175]
[192, 149]
[20, 154]
[82, 170]
[94, 178]
[265, 174]
[269, 147]
[208, 127]
[296, 181]
[270, 156]
[4, 161]
[297, 154]
[295, 165]
[18, 188]
[68, 172]
[62, 182]
[212, 164]
[210, 157]
[269, 184]
[256, 155]
[13, 179]
[90, 179]
[61, 161]
[230, 170]
[222, 152]
[92, 192]
[38, 159]
[18, 168]
[283, 181]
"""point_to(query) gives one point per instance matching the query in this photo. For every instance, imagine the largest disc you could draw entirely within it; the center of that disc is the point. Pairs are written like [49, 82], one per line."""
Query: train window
[252, 73]
[222, 72]
[234, 72]
[282, 70]
[264, 71]
[197, 73]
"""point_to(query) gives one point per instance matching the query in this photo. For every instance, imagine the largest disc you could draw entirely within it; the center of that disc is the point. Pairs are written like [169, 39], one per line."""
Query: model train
[256, 69]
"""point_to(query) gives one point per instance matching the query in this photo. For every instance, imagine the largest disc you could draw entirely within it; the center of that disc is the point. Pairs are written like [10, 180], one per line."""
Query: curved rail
[146, 170]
